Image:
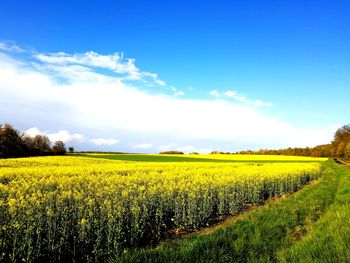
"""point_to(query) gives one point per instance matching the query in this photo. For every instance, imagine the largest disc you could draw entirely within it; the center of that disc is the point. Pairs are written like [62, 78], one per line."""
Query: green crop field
[204, 158]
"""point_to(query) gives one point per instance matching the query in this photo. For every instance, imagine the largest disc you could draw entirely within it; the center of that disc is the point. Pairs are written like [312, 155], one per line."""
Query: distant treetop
[171, 152]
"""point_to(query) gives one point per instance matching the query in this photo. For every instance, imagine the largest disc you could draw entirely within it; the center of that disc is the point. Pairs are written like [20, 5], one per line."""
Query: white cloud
[113, 62]
[214, 93]
[176, 92]
[66, 137]
[143, 146]
[88, 99]
[89, 60]
[32, 132]
[179, 93]
[102, 141]
[240, 98]
[230, 93]
[260, 103]
[160, 82]
[234, 94]
[62, 135]
[9, 46]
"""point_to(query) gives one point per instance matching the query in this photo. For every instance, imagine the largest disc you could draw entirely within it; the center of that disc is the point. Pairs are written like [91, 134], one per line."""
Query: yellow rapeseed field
[63, 207]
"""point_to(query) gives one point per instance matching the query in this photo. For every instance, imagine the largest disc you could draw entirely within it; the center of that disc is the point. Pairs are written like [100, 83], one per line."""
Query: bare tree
[11, 144]
[59, 148]
[42, 143]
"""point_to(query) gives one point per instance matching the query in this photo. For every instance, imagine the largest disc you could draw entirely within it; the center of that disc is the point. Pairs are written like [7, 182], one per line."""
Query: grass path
[308, 226]
[328, 240]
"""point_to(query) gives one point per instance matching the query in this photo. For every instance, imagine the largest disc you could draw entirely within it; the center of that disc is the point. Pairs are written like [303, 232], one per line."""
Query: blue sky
[286, 61]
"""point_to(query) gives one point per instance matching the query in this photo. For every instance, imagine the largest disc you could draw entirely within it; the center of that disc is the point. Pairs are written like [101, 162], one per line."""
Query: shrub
[171, 152]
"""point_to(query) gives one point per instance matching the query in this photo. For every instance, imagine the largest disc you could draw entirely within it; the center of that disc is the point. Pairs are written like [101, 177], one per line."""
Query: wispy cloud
[10, 46]
[232, 94]
[92, 60]
[176, 92]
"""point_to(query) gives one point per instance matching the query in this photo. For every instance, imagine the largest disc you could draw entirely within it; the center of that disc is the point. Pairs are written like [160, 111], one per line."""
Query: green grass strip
[310, 225]
[328, 240]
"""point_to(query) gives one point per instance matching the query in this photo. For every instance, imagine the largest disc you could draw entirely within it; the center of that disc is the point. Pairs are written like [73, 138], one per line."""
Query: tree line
[14, 143]
[339, 147]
